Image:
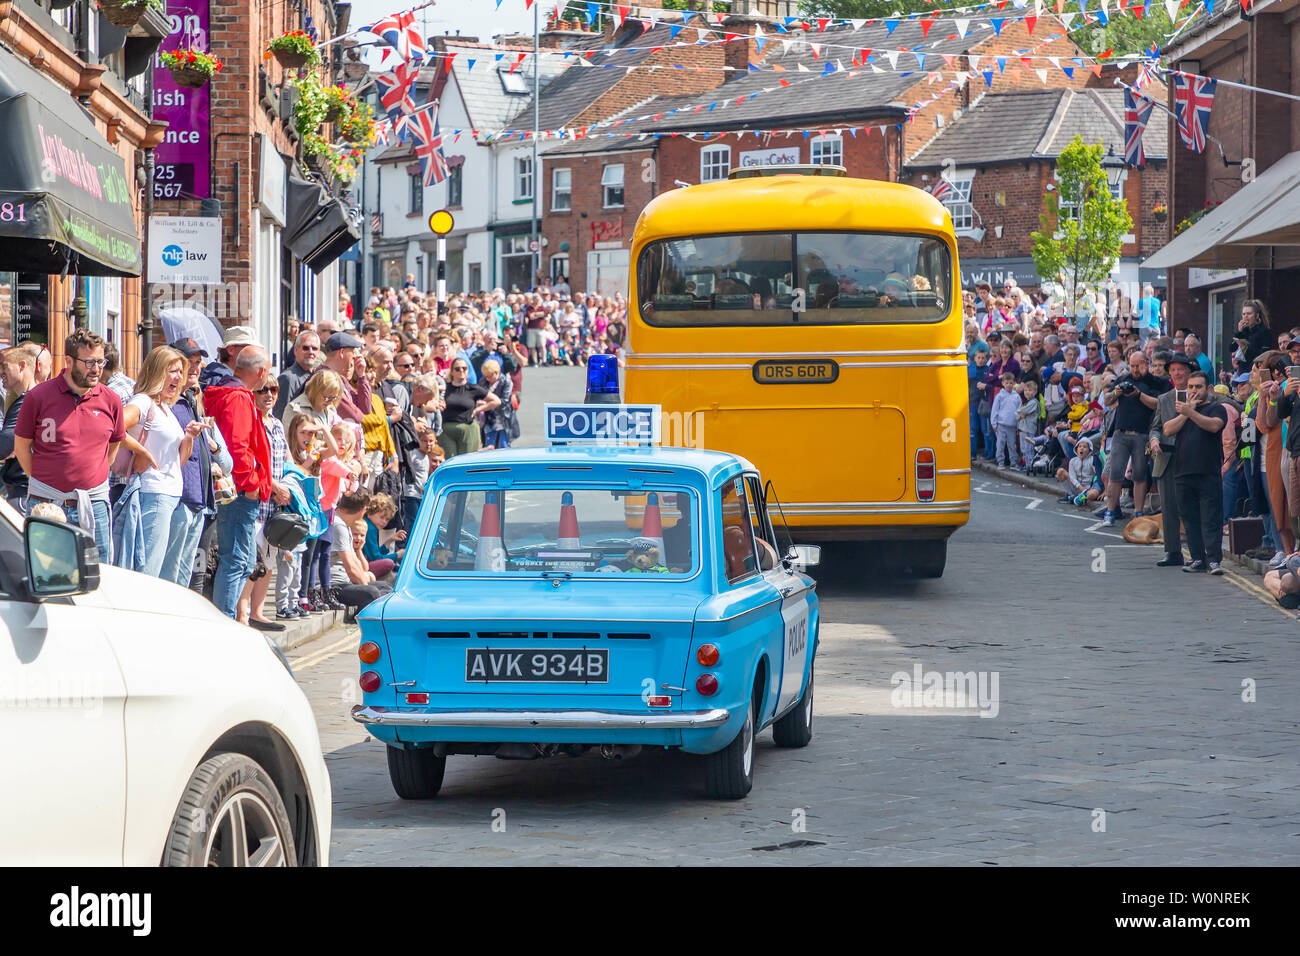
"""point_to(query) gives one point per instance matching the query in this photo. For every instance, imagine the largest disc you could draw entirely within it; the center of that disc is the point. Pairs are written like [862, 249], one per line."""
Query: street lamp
[1113, 167]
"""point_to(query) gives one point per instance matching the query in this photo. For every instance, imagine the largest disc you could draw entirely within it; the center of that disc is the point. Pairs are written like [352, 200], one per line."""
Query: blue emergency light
[602, 380]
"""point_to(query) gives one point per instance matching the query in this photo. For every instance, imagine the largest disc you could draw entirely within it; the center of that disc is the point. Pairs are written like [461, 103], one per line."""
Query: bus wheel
[927, 558]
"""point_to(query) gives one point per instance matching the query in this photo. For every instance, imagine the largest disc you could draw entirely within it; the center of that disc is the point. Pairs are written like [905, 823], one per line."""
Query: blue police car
[586, 596]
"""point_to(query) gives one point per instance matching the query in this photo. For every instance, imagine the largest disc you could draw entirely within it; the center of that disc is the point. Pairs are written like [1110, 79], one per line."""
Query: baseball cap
[1076, 388]
[341, 340]
[239, 335]
[1221, 390]
[1293, 344]
[188, 347]
[1180, 358]
[1241, 378]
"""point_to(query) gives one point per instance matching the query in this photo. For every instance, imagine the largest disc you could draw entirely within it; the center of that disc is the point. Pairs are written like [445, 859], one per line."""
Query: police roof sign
[185, 250]
[613, 424]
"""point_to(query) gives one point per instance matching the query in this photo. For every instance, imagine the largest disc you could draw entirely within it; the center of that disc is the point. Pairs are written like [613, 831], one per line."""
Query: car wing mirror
[61, 559]
[803, 556]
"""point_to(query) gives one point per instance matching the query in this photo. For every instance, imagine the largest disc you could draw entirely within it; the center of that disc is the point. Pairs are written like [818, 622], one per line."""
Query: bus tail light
[925, 474]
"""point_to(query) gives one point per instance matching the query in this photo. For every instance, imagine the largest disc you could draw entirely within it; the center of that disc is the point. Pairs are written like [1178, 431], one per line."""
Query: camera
[1125, 384]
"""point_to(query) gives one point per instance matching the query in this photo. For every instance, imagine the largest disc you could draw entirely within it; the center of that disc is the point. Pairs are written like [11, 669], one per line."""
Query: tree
[1081, 246]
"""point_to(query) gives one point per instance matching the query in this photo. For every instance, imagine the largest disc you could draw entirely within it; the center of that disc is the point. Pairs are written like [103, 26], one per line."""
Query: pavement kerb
[1056, 489]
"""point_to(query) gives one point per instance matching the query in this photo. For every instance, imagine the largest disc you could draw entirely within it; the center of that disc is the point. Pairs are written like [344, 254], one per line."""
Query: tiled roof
[838, 96]
[581, 84]
[1004, 127]
[489, 106]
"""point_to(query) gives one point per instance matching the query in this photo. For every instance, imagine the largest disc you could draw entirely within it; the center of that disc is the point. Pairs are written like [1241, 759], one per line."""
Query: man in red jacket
[231, 405]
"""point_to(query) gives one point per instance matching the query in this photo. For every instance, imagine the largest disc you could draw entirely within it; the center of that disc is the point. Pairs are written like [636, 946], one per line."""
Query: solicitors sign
[185, 250]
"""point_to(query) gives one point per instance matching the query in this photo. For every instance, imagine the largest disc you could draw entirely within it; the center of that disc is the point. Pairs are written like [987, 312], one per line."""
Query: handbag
[223, 489]
[984, 408]
[285, 529]
[124, 461]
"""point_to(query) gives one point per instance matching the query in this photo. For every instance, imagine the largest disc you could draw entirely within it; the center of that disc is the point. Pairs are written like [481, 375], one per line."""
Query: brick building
[283, 225]
[74, 104]
[1247, 197]
[1000, 157]
[854, 116]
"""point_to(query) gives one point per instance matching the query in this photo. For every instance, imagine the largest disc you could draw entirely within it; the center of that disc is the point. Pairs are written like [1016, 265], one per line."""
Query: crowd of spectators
[1125, 412]
[218, 474]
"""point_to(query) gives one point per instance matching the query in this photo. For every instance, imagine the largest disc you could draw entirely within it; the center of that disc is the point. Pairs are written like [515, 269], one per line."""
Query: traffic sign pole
[441, 223]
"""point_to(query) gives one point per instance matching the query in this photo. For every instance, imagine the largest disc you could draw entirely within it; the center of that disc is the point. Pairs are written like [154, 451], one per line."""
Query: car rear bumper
[598, 720]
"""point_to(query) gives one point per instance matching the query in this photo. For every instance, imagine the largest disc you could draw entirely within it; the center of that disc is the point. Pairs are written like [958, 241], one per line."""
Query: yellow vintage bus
[812, 323]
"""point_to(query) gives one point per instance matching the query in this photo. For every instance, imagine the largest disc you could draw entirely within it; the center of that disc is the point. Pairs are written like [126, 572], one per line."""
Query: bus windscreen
[804, 278]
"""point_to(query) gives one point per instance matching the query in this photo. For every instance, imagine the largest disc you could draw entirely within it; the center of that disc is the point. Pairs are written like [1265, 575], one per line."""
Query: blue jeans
[103, 527]
[976, 432]
[156, 512]
[182, 544]
[410, 508]
[236, 551]
[1271, 534]
[986, 429]
[1231, 484]
[496, 438]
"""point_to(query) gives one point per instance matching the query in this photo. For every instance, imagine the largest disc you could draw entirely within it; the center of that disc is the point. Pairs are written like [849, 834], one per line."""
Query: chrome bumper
[543, 719]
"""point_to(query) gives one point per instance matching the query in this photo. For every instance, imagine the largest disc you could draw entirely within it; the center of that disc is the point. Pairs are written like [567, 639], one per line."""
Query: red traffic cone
[569, 535]
[652, 525]
[491, 553]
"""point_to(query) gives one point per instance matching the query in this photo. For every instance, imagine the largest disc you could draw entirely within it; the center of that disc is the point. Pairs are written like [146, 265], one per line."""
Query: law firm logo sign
[76, 909]
[185, 251]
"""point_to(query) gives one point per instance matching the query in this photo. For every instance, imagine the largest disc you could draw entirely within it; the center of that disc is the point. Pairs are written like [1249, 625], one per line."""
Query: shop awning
[1239, 232]
[317, 228]
[65, 192]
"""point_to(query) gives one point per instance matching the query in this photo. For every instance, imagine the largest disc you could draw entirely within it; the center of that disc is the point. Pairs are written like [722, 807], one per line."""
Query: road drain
[792, 845]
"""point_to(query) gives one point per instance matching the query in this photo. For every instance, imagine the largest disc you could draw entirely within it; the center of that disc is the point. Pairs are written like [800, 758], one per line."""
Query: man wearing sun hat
[222, 371]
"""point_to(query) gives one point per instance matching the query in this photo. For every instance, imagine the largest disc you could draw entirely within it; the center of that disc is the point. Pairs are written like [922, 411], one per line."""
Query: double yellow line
[312, 658]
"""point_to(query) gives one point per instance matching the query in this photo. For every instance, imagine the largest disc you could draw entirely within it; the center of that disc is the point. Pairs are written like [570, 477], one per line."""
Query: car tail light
[707, 685]
[925, 474]
[370, 682]
[659, 701]
[368, 652]
[420, 698]
[707, 654]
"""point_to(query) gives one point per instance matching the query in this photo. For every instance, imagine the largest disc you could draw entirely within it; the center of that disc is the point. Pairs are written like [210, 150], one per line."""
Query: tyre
[729, 773]
[416, 773]
[795, 729]
[231, 814]
[927, 558]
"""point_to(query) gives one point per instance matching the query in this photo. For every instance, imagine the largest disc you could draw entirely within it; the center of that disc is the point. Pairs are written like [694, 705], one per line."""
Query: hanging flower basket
[293, 50]
[1161, 212]
[191, 68]
[126, 13]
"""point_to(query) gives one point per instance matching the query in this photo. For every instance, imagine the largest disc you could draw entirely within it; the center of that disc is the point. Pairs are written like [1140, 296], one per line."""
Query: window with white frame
[1068, 206]
[611, 181]
[561, 189]
[828, 150]
[959, 203]
[715, 163]
[523, 177]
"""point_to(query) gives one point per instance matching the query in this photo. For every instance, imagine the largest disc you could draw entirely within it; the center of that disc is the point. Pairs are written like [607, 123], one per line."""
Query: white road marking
[1033, 505]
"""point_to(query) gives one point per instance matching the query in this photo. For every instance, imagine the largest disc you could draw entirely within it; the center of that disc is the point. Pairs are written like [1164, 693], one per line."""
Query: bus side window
[737, 538]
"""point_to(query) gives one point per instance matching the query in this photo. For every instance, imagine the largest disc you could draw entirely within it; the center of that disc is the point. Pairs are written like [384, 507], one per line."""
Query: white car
[139, 726]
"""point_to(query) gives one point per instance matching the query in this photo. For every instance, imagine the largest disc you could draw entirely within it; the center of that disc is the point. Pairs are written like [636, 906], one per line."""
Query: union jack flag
[400, 32]
[433, 164]
[1146, 74]
[1135, 123]
[942, 190]
[1193, 97]
[397, 89]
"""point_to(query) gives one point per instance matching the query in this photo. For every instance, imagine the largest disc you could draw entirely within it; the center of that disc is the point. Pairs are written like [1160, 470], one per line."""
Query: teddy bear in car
[643, 556]
[441, 558]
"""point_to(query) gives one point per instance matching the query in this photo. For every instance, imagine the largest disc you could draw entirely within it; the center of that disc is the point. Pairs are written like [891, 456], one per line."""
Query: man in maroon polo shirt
[67, 434]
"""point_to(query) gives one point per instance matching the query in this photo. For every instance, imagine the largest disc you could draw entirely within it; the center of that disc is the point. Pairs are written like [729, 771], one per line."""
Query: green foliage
[1080, 250]
[312, 105]
[1125, 34]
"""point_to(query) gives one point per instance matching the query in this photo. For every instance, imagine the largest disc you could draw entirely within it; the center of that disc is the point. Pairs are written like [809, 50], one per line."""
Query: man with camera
[1198, 461]
[1134, 396]
[1162, 452]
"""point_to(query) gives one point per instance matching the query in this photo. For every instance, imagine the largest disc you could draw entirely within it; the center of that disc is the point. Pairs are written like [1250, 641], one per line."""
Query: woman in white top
[150, 421]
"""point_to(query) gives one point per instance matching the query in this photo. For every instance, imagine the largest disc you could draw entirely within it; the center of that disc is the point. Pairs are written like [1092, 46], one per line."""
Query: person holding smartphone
[1198, 461]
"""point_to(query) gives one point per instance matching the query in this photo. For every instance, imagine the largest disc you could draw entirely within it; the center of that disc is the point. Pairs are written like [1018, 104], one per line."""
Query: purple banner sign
[182, 162]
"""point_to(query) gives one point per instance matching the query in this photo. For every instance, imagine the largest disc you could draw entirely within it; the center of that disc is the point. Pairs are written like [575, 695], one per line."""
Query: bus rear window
[807, 278]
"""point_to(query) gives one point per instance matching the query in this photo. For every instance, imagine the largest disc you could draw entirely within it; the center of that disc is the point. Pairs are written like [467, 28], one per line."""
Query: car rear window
[604, 531]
